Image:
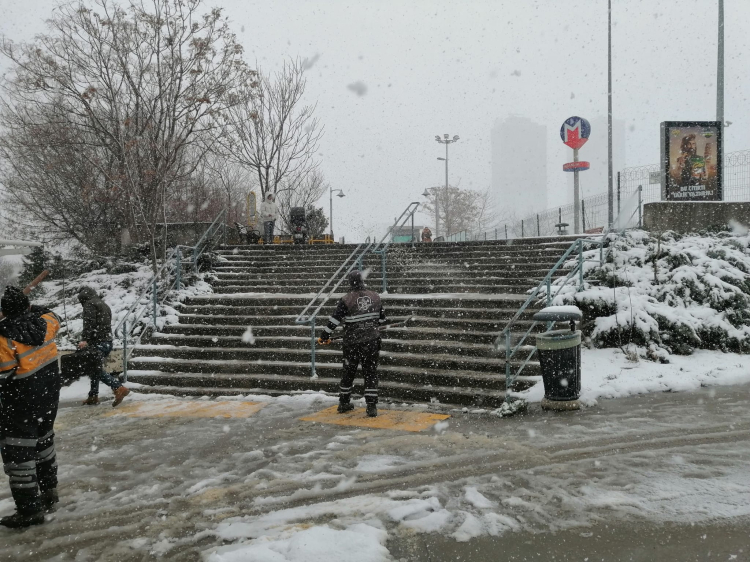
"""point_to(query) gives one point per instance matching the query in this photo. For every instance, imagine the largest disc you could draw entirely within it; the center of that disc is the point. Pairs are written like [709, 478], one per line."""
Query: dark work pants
[101, 351]
[27, 437]
[365, 353]
[268, 232]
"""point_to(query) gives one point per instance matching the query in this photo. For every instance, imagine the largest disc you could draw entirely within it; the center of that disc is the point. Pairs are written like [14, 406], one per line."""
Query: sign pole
[576, 198]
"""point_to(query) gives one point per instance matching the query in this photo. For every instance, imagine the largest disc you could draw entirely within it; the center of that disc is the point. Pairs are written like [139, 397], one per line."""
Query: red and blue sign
[575, 131]
[579, 166]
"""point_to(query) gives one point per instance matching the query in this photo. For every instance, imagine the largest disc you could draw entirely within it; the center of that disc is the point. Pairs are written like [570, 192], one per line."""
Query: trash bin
[560, 357]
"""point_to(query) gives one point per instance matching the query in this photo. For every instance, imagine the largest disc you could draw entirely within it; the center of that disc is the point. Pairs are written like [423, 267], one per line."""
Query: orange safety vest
[22, 360]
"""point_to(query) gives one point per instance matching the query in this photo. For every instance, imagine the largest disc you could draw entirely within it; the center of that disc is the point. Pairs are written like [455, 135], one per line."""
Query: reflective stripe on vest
[32, 358]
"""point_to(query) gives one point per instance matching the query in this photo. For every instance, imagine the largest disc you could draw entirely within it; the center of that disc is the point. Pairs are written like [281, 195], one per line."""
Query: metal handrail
[407, 214]
[504, 338]
[305, 317]
[170, 269]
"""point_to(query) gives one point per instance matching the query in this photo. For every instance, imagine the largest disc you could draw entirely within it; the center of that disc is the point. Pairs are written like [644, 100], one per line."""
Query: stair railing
[382, 249]
[168, 277]
[504, 339]
[354, 259]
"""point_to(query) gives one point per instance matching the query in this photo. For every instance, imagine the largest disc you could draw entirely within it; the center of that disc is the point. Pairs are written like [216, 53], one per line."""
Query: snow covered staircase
[460, 296]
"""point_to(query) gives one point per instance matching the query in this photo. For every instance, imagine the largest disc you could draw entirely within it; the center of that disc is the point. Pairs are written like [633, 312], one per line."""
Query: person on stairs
[361, 313]
[96, 339]
[29, 396]
[269, 214]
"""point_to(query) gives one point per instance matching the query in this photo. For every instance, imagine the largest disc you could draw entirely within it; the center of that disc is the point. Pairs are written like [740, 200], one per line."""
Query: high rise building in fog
[519, 165]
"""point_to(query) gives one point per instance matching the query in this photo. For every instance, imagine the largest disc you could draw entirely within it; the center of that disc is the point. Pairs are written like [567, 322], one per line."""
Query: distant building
[519, 165]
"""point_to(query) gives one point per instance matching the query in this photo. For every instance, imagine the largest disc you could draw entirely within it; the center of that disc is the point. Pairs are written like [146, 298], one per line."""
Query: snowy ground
[273, 488]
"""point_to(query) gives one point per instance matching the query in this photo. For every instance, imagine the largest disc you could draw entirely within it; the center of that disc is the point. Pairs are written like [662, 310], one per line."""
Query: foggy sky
[392, 74]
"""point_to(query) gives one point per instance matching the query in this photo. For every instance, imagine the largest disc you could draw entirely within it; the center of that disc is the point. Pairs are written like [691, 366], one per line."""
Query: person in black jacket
[361, 313]
[96, 339]
[29, 396]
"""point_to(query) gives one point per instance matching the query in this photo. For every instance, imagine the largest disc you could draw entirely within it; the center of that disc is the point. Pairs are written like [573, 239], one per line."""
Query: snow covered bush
[671, 292]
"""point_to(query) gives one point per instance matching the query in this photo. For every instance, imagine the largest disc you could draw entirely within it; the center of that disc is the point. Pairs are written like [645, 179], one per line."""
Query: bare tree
[274, 134]
[136, 90]
[460, 209]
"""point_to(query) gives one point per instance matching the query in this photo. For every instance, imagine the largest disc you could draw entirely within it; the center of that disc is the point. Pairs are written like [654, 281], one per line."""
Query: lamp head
[340, 193]
[437, 138]
[446, 135]
[426, 193]
[455, 138]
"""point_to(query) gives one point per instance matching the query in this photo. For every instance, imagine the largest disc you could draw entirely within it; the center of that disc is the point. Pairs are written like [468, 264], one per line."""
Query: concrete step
[393, 340]
[237, 325]
[287, 313]
[398, 288]
[299, 330]
[500, 276]
[453, 300]
[410, 360]
[211, 370]
[190, 384]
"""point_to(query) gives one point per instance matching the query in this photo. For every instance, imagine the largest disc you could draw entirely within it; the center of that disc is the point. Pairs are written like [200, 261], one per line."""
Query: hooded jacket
[269, 211]
[97, 317]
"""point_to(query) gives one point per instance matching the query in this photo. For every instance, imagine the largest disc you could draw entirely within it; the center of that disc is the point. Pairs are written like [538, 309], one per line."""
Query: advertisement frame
[666, 128]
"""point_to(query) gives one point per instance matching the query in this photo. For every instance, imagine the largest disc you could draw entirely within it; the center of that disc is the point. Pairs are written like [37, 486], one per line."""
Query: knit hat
[356, 281]
[14, 302]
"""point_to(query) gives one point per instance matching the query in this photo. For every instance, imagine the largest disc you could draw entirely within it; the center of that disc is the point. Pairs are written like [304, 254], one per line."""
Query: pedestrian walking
[269, 214]
[426, 234]
[29, 396]
[96, 340]
[361, 313]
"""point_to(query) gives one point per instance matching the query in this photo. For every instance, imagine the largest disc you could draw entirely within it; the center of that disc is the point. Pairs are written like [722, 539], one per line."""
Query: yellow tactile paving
[187, 409]
[387, 419]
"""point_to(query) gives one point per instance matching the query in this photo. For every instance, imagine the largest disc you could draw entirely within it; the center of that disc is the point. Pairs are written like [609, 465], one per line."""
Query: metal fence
[736, 184]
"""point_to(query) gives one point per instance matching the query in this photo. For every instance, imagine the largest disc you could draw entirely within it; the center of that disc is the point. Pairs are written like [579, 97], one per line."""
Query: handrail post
[549, 290]
[178, 269]
[155, 297]
[383, 266]
[580, 264]
[312, 347]
[125, 350]
[507, 366]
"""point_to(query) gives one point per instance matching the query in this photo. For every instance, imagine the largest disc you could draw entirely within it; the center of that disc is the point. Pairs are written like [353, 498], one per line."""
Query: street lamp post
[446, 141]
[330, 200]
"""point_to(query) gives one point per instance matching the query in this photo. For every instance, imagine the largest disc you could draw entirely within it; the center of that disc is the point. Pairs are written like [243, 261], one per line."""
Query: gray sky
[435, 66]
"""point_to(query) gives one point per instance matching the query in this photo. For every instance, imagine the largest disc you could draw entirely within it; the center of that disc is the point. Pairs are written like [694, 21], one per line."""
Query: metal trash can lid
[559, 314]
[558, 339]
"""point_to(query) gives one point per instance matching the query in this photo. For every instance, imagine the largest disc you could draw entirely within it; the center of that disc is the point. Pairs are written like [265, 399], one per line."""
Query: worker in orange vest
[29, 395]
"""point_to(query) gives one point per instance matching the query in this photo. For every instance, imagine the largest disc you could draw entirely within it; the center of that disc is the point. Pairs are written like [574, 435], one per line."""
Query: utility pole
[720, 70]
[610, 187]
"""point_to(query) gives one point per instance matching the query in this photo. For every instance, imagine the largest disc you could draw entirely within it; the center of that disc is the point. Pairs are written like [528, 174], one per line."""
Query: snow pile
[670, 295]
[612, 373]
[118, 290]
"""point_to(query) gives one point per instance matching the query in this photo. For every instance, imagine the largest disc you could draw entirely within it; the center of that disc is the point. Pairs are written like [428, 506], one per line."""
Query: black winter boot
[345, 407]
[19, 521]
[372, 410]
[49, 499]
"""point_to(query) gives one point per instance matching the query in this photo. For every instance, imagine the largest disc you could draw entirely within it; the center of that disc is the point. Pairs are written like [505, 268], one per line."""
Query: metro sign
[575, 131]
[579, 166]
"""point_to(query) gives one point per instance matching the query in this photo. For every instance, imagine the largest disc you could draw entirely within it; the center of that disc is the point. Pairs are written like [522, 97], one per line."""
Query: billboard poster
[691, 161]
